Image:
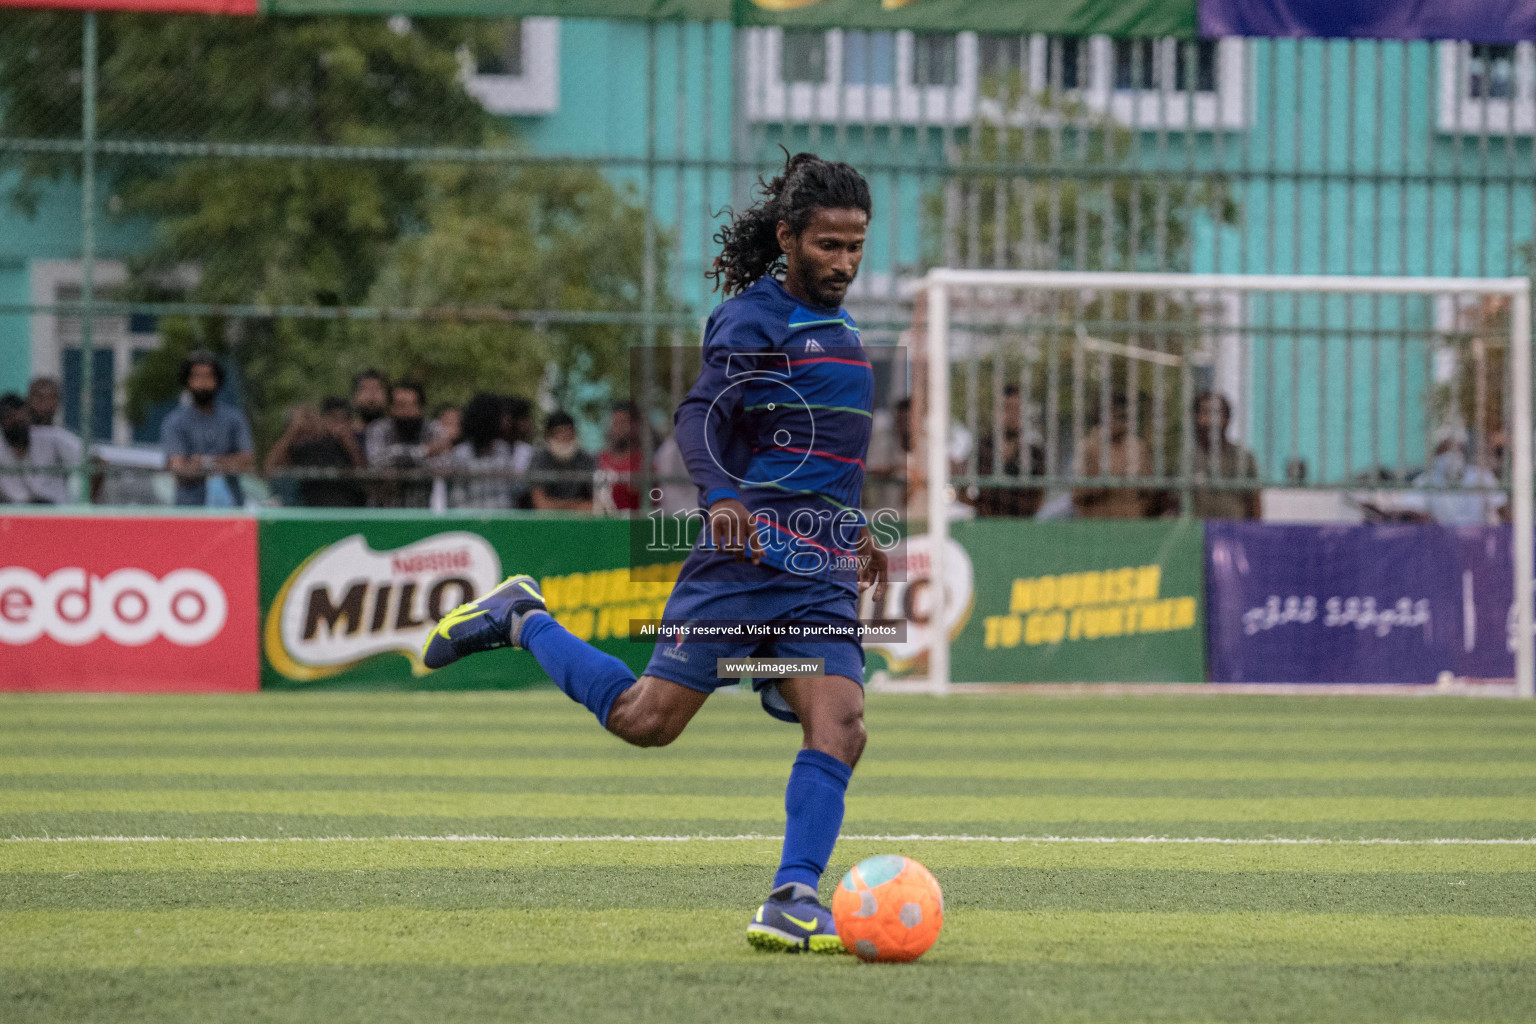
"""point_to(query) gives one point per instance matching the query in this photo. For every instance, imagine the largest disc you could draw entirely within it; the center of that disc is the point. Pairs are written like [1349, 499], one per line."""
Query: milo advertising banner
[1074, 601]
[348, 602]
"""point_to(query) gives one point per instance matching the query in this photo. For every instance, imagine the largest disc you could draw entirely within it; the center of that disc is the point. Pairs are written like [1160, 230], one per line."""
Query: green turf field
[403, 857]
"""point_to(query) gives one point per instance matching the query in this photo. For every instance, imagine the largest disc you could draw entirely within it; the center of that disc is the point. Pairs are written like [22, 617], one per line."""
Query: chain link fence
[526, 208]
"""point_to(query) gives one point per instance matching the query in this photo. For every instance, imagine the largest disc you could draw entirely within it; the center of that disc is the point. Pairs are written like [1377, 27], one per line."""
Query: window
[1000, 56]
[1199, 74]
[1142, 65]
[934, 60]
[869, 58]
[507, 58]
[1062, 60]
[1135, 64]
[520, 74]
[1491, 72]
[805, 57]
[936, 79]
[853, 76]
[1065, 63]
[1487, 88]
[117, 342]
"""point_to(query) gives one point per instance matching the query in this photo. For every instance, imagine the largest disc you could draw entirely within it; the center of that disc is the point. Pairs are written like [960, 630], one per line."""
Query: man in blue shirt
[205, 438]
[774, 433]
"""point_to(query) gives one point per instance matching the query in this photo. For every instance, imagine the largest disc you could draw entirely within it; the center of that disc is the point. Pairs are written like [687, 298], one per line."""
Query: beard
[204, 397]
[408, 430]
[829, 293]
[18, 435]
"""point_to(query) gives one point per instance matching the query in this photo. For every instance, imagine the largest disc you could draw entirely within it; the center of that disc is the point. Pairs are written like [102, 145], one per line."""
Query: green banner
[1083, 601]
[1064, 17]
[347, 602]
[1059, 17]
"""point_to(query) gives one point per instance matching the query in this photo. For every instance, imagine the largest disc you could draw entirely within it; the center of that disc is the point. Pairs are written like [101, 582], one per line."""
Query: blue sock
[583, 673]
[813, 802]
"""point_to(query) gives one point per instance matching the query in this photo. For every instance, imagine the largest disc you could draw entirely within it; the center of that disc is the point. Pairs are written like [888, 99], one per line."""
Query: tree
[322, 231]
[537, 238]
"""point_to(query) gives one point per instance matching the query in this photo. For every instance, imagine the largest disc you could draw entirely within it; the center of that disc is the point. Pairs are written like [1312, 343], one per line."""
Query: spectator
[517, 430]
[619, 464]
[482, 450]
[319, 439]
[401, 442]
[337, 413]
[24, 445]
[206, 442]
[1111, 450]
[447, 428]
[43, 401]
[678, 493]
[370, 401]
[517, 422]
[1009, 501]
[1224, 461]
[890, 445]
[1450, 470]
[572, 490]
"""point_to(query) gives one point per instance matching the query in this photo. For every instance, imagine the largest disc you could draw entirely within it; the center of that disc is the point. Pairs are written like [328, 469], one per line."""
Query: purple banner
[1478, 21]
[1357, 604]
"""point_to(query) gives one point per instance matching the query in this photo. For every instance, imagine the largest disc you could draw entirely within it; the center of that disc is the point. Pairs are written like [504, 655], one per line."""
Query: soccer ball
[888, 908]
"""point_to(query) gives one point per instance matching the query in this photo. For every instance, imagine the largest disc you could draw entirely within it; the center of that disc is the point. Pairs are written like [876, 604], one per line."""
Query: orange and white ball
[888, 908]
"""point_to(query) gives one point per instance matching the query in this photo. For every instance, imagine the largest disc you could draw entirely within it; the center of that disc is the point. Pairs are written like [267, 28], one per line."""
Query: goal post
[944, 284]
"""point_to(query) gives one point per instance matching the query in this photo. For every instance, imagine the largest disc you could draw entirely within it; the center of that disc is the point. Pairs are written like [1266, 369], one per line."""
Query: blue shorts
[772, 594]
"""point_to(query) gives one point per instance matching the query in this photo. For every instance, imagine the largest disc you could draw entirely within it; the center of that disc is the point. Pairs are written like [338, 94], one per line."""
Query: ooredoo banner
[128, 604]
[1358, 604]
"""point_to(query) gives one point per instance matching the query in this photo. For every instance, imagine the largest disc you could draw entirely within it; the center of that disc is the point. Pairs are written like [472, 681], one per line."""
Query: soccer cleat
[794, 921]
[495, 620]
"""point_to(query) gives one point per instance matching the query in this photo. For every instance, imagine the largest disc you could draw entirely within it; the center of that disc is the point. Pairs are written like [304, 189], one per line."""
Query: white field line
[913, 838]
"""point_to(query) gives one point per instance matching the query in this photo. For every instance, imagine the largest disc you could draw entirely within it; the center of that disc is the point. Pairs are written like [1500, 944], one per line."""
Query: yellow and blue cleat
[493, 621]
[794, 921]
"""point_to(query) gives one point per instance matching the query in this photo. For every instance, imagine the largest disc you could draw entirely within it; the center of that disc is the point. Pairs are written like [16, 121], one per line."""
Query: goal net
[1062, 394]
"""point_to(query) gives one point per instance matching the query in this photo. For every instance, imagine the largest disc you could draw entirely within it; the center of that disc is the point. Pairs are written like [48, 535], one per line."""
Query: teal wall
[15, 343]
[1350, 173]
[604, 105]
[52, 231]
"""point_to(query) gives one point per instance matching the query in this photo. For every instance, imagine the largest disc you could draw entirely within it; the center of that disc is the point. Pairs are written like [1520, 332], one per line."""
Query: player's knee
[841, 735]
[643, 726]
[854, 735]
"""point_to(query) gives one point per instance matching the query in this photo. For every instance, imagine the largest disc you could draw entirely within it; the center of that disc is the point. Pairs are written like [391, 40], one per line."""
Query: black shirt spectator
[320, 439]
[402, 441]
[1009, 501]
[561, 453]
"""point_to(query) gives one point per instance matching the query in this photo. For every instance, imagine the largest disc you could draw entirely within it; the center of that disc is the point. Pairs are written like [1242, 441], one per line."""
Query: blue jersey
[780, 418]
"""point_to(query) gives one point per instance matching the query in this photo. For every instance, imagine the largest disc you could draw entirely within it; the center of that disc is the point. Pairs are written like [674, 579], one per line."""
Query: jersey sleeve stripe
[828, 408]
[832, 359]
[824, 455]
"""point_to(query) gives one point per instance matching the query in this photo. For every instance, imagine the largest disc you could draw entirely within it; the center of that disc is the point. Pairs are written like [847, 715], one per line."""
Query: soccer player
[774, 434]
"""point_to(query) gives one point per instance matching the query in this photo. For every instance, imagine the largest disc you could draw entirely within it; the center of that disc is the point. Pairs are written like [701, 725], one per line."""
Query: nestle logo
[430, 561]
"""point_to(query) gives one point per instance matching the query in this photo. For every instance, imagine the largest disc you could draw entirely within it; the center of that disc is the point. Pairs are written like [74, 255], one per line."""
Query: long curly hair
[749, 244]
